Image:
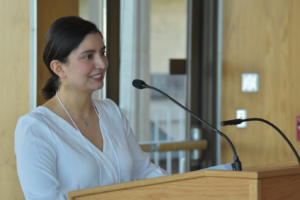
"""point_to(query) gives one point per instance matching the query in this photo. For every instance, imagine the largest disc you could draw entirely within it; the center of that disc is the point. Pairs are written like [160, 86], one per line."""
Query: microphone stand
[239, 121]
[236, 165]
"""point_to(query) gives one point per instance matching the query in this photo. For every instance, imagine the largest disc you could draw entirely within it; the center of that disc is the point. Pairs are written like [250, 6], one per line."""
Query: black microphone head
[138, 84]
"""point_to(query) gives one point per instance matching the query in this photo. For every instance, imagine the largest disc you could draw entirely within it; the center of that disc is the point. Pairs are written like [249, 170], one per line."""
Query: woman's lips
[98, 77]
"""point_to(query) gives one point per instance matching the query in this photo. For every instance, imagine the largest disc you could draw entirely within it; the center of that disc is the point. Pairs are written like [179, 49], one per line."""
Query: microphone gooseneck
[239, 121]
[236, 165]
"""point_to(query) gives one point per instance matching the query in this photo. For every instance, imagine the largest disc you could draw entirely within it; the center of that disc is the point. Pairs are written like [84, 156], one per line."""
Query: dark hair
[63, 36]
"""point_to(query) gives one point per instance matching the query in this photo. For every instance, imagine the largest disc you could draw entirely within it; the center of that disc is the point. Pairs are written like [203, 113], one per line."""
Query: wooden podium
[278, 181]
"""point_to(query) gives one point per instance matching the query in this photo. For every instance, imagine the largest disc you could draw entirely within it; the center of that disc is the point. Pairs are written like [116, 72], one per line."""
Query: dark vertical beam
[202, 73]
[193, 69]
[113, 50]
[194, 36]
[209, 79]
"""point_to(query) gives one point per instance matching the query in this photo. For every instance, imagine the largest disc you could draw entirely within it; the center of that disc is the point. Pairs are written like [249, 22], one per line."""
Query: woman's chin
[99, 87]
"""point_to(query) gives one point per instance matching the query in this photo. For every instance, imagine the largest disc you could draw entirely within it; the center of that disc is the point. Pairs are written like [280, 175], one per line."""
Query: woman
[74, 142]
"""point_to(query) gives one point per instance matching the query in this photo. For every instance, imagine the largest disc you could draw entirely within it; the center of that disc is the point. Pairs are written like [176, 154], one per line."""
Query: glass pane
[152, 34]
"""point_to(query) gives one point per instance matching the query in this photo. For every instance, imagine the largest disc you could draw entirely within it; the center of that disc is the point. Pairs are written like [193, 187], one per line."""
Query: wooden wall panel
[261, 37]
[47, 13]
[14, 87]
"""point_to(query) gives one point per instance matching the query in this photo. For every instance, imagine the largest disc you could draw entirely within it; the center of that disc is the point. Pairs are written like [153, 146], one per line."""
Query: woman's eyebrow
[92, 51]
[88, 51]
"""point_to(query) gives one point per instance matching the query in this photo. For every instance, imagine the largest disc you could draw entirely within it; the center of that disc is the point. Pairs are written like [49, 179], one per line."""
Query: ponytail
[50, 88]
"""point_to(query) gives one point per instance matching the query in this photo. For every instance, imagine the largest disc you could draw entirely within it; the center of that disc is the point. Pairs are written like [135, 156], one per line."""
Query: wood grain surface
[208, 184]
[289, 164]
[278, 188]
[187, 189]
[164, 180]
[47, 13]
[14, 87]
[261, 37]
[277, 182]
[232, 185]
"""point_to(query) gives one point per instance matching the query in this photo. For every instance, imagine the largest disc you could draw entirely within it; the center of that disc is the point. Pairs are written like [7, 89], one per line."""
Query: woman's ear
[57, 68]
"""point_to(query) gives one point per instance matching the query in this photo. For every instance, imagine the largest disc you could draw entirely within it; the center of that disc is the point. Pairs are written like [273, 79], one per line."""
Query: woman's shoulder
[37, 115]
[35, 121]
[32, 126]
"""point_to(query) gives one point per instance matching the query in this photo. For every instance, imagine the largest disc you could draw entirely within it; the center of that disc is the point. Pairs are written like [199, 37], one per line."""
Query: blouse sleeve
[36, 160]
[142, 167]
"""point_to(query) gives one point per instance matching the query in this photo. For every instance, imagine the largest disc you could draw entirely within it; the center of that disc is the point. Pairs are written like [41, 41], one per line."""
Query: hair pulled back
[63, 36]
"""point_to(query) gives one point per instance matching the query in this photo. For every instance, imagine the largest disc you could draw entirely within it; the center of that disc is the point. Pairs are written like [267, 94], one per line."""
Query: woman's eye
[88, 57]
[103, 53]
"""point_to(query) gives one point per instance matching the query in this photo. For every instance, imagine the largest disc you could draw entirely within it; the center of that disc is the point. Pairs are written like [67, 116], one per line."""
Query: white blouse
[53, 158]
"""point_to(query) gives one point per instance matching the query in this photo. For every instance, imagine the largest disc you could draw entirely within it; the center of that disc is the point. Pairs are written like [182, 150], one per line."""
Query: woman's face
[86, 65]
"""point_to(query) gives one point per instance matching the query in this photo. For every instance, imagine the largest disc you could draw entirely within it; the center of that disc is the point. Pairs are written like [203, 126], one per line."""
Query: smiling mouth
[97, 76]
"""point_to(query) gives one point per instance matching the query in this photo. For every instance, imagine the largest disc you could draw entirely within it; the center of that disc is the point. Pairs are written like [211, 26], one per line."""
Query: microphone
[239, 121]
[139, 84]
[231, 122]
[236, 165]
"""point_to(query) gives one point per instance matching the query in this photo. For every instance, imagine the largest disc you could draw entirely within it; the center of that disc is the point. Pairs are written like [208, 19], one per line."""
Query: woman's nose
[101, 61]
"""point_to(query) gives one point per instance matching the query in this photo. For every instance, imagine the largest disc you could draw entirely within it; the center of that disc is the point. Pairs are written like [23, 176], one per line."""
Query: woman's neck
[78, 102]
